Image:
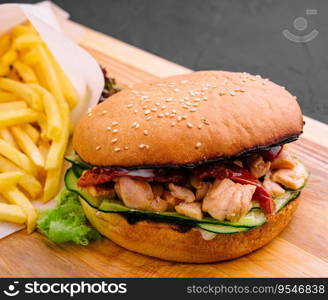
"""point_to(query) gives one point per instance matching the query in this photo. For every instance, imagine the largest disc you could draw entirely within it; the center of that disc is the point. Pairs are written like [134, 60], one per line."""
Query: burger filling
[224, 191]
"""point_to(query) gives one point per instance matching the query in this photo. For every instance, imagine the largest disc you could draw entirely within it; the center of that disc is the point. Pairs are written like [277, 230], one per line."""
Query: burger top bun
[187, 119]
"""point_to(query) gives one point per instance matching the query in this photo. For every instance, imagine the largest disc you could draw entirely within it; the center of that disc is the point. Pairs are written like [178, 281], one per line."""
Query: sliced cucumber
[71, 185]
[215, 228]
[254, 218]
[76, 160]
[285, 198]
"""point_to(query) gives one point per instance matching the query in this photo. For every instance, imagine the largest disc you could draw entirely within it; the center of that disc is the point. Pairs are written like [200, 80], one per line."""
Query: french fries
[27, 146]
[17, 157]
[9, 178]
[12, 213]
[15, 196]
[36, 99]
[27, 182]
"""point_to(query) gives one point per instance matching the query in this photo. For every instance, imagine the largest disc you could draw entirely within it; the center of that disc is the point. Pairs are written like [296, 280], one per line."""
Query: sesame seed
[232, 93]
[147, 112]
[200, 126]
[142, 146]
[114, 140]
[197, 99]
[146, 132]
[104, 112]
[174, 111]
[114, 123]
[153, 109]
[160, 115]
[167, 114]
[222, 93]
[157, 104]
[117, 149]
[145, 106]
[186, 98]
[205, 98]
[126, 148]
[135, 111]
[144, 97]
[129, 105]
[98, 148]
[185, 106]
[135, 125]
[115, 130]
[189, 125]
[163, 107]
[184, 117]
[89, 114]
[168, 99]
[192, 109]
[198, 145]
[173, 124]
[258, 76]
[176, 90]
[148, 118]
[188, 102]
[179, 118]
[109, 128]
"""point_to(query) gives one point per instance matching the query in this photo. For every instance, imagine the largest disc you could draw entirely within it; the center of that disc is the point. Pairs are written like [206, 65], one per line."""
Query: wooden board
[300, 251]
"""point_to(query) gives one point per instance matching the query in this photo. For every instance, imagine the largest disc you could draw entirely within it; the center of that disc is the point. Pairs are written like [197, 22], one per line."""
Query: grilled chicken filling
[224, 191]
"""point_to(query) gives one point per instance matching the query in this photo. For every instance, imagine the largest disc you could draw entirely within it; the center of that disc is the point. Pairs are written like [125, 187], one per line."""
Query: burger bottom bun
[162, 240]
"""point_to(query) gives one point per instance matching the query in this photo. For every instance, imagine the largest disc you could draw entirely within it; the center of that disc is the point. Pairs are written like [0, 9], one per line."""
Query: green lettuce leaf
[67, 222]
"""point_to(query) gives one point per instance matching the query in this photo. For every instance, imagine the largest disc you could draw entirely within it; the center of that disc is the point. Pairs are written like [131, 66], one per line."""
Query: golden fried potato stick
[32, 132]
[27, 182]
[27, 146]
[58, 147]
[19, 116]
[52, 183]
[23, 91]
[12, 213]
[17, 157]
[9, 178]
[25, 72]
[67, 88]
[26, 41]
[7, 136]
[19, 30]
[15, 196]
[30, 58]
[5, 41]
[7, 97]
[13, 105]
[6, 60]
[54, 123]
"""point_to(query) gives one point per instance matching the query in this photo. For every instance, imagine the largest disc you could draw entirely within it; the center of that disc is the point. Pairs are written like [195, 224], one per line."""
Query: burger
[190, 168]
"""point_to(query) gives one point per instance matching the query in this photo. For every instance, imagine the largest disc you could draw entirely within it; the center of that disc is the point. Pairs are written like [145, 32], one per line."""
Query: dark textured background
[236, 35]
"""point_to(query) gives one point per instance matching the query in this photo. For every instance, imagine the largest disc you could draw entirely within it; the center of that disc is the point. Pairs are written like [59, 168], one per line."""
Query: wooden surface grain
[300, 251]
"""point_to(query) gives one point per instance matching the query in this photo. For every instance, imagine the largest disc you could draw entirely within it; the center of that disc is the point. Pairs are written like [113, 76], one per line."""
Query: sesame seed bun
[188, 119]
[162, 240]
